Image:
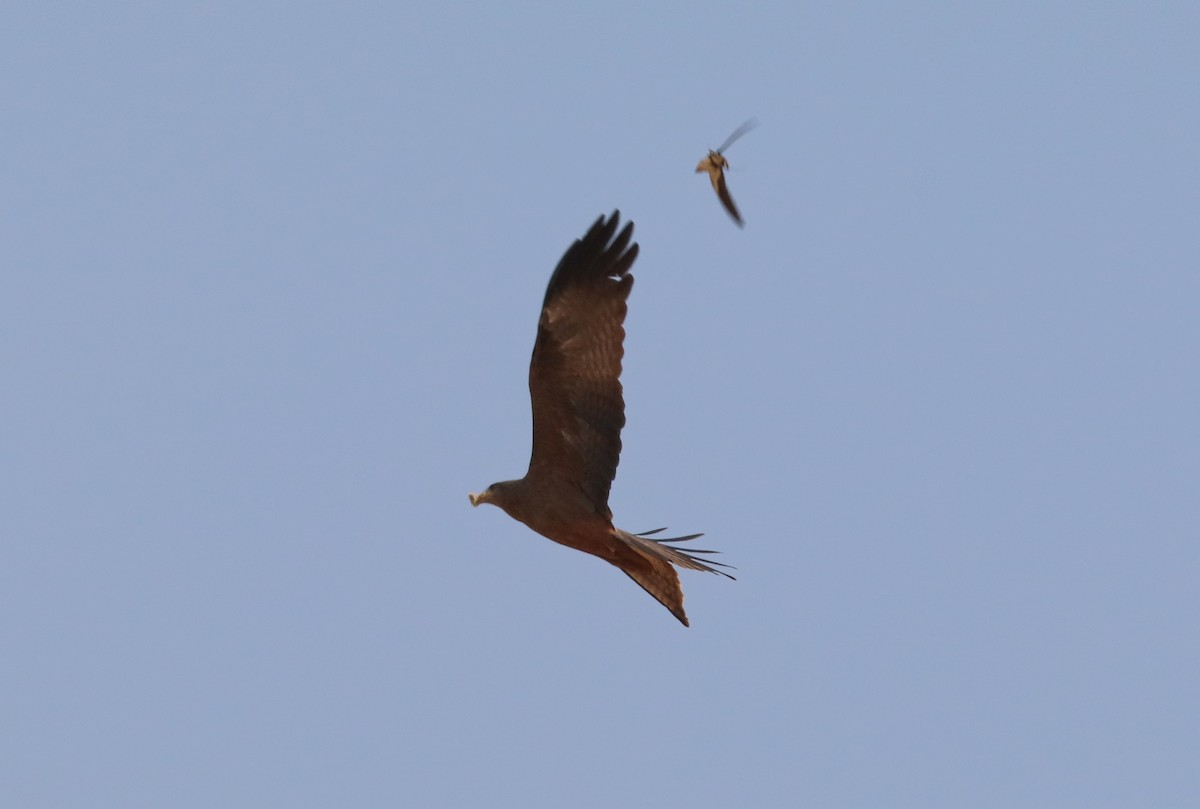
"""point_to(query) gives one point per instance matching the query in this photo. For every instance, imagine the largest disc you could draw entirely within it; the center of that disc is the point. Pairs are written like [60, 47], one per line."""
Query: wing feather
[737, 133]
[574, 375]
[727, 199]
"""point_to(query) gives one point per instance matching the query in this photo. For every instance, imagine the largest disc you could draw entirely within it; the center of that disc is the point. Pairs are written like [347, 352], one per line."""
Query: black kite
[578, 413]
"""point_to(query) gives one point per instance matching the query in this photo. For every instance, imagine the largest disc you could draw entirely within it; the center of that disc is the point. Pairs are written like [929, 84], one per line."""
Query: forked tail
[651, 567]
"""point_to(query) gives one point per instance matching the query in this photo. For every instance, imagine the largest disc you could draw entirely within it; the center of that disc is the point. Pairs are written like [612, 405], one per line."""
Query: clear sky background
[271, 277]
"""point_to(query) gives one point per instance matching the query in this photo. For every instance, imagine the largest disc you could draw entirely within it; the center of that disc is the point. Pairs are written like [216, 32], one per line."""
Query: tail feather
[650, 565]
[678, 556]
[660, 580]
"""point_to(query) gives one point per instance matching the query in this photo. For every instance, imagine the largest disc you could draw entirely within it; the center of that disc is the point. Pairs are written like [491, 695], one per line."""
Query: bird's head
[500, 494]
[493, 494]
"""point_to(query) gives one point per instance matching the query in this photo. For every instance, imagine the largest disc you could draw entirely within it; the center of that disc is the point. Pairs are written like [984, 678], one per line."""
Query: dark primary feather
[574, 375]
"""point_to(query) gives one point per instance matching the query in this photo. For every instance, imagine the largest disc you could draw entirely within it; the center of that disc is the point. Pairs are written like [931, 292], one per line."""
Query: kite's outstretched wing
[574, 376]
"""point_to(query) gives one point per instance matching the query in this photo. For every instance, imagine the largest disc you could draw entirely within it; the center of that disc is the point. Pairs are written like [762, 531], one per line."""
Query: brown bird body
[578, 413]
[715, 164]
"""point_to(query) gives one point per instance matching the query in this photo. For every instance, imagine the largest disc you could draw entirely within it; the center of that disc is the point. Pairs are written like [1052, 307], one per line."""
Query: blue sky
[271, 277]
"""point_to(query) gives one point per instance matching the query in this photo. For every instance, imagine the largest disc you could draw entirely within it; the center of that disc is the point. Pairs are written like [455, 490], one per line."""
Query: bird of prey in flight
[715, 164]
[578, 413]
